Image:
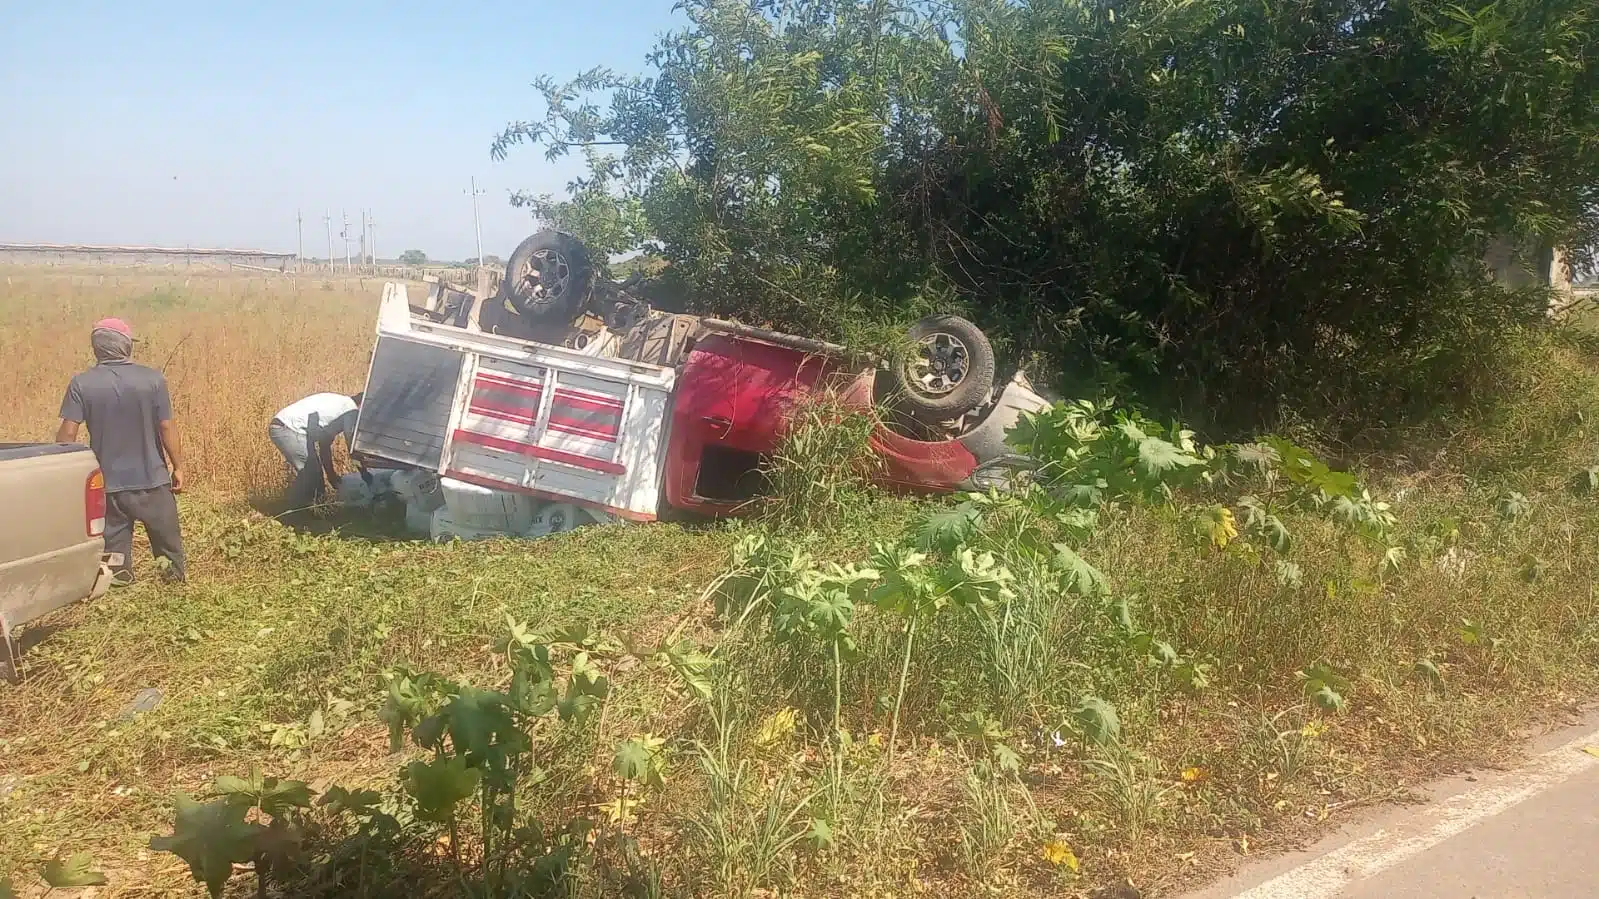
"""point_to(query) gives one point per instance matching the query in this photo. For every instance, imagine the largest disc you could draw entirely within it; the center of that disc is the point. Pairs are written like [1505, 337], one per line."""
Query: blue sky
[209, 124]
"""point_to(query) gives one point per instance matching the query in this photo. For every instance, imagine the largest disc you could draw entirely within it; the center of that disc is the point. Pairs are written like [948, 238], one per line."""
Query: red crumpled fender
[931, 466]
[736, 392]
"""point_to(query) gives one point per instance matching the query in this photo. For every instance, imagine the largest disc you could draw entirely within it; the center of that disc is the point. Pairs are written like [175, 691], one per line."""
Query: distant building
[147, 257]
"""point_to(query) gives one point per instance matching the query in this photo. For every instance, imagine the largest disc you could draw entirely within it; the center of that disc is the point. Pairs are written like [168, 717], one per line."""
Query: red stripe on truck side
[539, 452]
[588, 400]
[509, 383]
[505, 413]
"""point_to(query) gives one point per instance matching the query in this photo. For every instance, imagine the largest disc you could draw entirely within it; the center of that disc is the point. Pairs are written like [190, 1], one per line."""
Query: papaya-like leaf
[1076, 575]
[438, 786]
[1097, 721]
[641, 759]
[211, 837]
[945, 529]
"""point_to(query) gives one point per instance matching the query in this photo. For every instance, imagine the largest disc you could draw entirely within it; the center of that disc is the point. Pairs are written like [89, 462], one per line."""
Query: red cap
[115, 324]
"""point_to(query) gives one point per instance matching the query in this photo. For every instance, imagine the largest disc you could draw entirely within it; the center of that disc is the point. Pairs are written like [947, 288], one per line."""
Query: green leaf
[1163, 653]
[360, 802]
[1259, 456]
[1076, 575]
[1325, 686]
[976, 725]
[1079, 523]
[481, 726]
[1006, 759]
[642, 760]
[406, 703]
[429, 732]
[1123, 608]
[1325, 696]
[632, 761]
[75, 871]
[1472, 633]
[945, 529]
[1265, 526]
[1393, 558]
[1097, 721]
[585, 691]
[1427, 670]
[438, 786]
[1513, 506]
[6, 890]
[819, 835]
[1192, 675]
[211, 837]
[1288, 574]
[908, 588]
[1158, 458]
[270, 794]
[693, 667]
[977, 579]
[1219, 526]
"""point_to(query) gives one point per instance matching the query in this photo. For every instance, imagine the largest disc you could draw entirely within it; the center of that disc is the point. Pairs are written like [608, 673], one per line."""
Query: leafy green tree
[1207, 200]
[413, 257]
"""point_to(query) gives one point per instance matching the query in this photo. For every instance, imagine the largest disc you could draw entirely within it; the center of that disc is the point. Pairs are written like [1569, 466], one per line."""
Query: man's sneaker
[121, 578]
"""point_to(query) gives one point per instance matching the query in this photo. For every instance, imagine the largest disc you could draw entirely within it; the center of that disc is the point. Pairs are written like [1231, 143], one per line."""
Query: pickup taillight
[94, 504]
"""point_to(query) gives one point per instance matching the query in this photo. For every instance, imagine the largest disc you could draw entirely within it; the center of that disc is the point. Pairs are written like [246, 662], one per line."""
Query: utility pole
[363, 238]
[299, 240]
[346, 235]
[374, 226]
[327, 226]
[477, 223]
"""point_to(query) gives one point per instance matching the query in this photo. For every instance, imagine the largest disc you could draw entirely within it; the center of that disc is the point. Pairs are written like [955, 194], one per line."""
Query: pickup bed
[52, 539]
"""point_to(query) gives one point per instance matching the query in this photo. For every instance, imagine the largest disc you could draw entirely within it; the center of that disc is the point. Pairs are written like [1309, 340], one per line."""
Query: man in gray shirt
[129, 414]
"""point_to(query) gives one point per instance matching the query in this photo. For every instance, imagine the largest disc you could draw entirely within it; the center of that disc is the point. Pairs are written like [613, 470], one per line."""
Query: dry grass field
[234, 349]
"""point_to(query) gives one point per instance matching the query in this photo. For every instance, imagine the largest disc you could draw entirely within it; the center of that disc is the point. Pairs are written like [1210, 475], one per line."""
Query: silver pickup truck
[52, 547]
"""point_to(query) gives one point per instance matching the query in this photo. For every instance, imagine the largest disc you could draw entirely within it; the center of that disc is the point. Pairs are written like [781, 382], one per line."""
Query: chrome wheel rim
[545, 274]
[939, 364]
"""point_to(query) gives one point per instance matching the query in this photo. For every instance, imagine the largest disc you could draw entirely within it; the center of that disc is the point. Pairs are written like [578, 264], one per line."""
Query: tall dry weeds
[234, 349]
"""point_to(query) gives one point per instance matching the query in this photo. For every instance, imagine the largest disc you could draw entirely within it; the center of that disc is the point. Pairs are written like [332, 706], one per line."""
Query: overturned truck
[558, 400]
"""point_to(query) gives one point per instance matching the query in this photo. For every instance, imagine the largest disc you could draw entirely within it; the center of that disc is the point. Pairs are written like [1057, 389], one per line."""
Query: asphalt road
[1528, 833]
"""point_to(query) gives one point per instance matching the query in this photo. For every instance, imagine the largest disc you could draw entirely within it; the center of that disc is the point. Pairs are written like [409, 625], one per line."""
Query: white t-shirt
[329, 408]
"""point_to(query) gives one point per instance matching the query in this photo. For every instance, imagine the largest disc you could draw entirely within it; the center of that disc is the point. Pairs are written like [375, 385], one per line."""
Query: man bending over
[304, 431]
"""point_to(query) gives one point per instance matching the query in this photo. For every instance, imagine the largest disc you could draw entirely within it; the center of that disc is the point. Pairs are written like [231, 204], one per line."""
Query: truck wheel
[948, 370]
[549, 277]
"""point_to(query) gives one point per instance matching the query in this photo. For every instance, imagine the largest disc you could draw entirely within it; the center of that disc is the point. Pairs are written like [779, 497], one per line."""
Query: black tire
[548, 278]
[948, 370]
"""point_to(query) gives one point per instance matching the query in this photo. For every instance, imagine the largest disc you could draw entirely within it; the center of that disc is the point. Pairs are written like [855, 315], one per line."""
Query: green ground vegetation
[1160, 659]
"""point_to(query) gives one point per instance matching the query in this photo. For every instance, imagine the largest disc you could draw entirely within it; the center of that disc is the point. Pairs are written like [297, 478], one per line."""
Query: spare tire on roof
[948, 369]
[548, 278]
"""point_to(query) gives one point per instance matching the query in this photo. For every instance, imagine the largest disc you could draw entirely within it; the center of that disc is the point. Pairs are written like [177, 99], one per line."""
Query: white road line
[1328, 875]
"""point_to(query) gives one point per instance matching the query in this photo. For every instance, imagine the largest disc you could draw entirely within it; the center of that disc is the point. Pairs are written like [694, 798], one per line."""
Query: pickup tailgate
[48, 557]
[514, 415]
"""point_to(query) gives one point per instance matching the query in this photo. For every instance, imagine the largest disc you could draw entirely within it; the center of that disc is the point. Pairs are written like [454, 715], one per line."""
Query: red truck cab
[732, 401]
